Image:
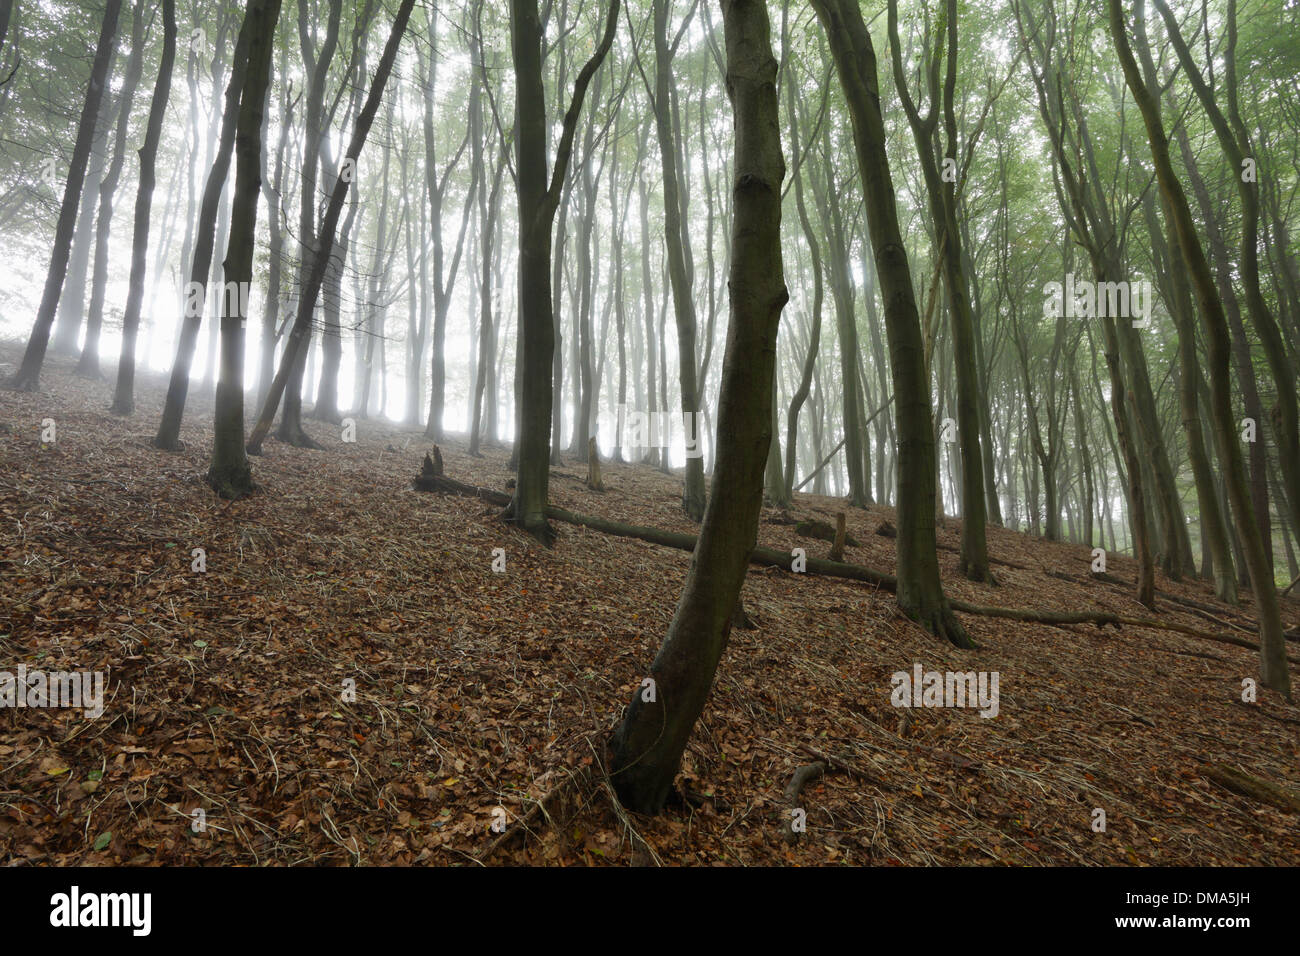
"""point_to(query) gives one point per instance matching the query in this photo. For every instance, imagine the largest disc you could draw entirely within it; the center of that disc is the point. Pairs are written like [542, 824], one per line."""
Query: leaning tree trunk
[72, 303]
[1234, 140]
[29, 372]
[229, 473]
[648, 745]
[124, 394]
[295, 347]
[89, 362]
[1273, 660]
[920, 592]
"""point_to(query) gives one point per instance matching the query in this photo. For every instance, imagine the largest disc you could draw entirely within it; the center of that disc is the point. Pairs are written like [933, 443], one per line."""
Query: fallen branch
[801, 778]
[770, 557]
[845, 766]
[574, 784]
[1253, 787]
[827, 460]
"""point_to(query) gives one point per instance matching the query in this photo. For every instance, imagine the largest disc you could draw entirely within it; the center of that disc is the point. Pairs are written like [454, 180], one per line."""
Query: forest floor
[477, 690]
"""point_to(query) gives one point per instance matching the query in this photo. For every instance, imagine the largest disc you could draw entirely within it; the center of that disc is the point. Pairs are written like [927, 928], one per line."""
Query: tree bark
[28, 376]
[920, 592]
[229, 474]
[124, 393]
[1273, 664]
[647, 747]
[538, 203]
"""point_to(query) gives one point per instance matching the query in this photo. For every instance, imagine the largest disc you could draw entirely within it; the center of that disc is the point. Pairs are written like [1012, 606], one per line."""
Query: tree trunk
[229, 473]
[648, 745]
[72, 303]
[943, 210]
[88, 365]
[295, 346]
[676, 240]
[196, 293]
[28, 376]
[124, 394]
[1273, 662]
[920, 592]
[538, 203]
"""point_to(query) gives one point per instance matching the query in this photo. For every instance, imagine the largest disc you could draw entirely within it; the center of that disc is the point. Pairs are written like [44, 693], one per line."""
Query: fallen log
[770, 557]
[1245, 785]
[822, 531]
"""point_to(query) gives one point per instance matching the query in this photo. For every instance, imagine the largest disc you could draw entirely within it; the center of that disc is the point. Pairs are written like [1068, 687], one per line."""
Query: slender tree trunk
[676, 241]
[273, 193]
[1273, 662]
[72, 303]
[229, 473]
[648, 745]
[28, 376]
[920, 592]
[196, 293]
[124, 394]
[1234, 138]
[943, 210]
[538, 203]
[295, 345]
[88, 365]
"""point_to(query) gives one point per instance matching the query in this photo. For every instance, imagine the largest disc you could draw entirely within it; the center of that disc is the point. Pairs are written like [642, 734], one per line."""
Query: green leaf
[103, 840]
[200, 643]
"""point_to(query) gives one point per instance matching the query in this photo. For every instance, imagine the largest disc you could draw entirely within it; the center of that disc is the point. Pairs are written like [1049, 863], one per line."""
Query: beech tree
[539, 198]
[229, 473]
[920, 592]
[27, 378]
[647, 747]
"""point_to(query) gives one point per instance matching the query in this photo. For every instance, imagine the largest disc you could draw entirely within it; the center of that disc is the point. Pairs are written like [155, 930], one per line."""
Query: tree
[920, 592]
[1234, 139]
[1274, 671]
[295, 351]
[28, 376]
[124, 393]
[89, 362]
[229, 474]
[647, 746]
[196, 293]
[942, 192]
[677, 239]
[538, 202]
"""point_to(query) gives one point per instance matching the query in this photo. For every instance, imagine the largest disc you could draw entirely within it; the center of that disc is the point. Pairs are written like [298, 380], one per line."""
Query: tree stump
[594, 481]
[837, 549]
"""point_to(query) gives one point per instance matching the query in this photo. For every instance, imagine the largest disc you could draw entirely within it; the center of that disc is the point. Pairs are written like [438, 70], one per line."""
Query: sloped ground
[477, 690]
